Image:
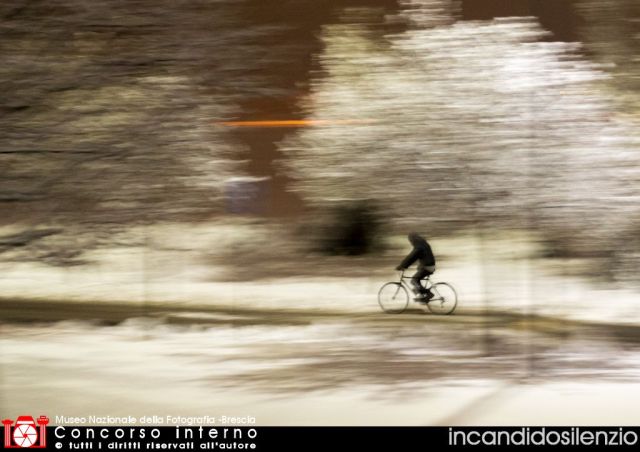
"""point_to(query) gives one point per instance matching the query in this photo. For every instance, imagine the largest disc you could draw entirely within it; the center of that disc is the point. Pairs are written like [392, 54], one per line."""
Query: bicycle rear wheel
[393, 298]
[445, 299]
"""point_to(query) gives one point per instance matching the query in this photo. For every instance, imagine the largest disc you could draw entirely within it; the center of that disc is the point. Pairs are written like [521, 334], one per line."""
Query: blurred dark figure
[352, 230]
[422, 253]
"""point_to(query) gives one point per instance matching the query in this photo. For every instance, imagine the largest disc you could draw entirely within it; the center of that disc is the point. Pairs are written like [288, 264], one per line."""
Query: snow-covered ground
[317, 350]
[393, 371]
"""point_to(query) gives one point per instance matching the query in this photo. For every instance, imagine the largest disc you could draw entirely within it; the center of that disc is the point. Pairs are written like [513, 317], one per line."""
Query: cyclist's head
[414, 238]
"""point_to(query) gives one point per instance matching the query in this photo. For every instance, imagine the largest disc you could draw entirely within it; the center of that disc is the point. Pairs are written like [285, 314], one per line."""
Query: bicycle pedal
[424, 299]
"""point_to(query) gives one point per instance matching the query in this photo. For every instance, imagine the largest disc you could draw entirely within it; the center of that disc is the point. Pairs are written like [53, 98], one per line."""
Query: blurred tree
[105, 121]
[468, 121]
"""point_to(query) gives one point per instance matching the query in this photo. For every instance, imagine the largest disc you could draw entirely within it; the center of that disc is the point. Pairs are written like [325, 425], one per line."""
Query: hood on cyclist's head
[416, 239]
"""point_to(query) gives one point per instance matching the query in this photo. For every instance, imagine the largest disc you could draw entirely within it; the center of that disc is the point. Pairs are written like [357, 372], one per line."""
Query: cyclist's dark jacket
[421, 252]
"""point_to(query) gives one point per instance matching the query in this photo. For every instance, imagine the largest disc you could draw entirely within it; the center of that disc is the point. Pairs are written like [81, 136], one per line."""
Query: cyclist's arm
[410, 259]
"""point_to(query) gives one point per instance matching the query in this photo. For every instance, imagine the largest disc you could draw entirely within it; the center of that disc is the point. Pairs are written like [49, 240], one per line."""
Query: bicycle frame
[427, 281]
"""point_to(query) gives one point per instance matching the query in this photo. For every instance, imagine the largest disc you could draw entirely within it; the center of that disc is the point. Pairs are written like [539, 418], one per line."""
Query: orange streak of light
[295, 123]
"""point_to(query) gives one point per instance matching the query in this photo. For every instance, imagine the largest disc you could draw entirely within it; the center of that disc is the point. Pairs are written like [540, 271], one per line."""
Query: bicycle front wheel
[393, 298]
[445, 299]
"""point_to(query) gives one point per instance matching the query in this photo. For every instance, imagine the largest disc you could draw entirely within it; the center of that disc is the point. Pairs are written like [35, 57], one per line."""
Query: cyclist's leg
[415, 280]
[430, 270]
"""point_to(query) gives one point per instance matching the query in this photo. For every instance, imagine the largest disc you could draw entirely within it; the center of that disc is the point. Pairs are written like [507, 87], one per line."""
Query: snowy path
[367, 370]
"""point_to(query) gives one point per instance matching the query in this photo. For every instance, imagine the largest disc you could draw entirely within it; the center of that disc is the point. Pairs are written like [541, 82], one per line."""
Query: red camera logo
[24, 432]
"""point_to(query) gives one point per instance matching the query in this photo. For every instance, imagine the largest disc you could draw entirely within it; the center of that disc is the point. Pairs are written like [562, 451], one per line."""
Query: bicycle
[393, 296]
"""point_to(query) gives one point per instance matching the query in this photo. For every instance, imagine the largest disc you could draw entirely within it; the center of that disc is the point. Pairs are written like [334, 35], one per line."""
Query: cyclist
[422, 253]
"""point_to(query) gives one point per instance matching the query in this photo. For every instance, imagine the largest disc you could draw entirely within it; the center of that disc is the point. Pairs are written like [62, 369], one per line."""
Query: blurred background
[213, 191]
